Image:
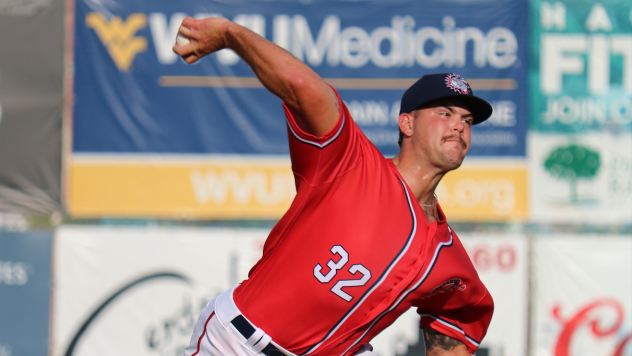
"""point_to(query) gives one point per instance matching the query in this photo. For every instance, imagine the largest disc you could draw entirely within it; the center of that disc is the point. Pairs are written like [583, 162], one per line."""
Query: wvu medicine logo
[118, 36]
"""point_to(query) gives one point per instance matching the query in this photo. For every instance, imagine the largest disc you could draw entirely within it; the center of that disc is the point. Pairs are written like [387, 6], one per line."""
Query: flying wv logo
[118, 36]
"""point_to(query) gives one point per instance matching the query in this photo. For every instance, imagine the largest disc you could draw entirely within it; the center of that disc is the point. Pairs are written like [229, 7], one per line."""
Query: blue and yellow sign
[135, 97]
[230, 188]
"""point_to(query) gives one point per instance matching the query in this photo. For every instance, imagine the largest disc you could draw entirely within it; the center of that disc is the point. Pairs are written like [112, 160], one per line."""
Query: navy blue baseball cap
[433, 87]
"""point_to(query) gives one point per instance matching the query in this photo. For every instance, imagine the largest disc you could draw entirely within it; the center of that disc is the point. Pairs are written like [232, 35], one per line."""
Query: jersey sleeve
[317, 160]
[467, 322]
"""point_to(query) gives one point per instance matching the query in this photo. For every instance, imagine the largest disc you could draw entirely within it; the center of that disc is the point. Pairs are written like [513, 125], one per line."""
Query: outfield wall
[119, 290]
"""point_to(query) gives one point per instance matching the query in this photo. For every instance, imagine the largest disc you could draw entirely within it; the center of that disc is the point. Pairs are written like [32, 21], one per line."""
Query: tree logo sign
[571, 163]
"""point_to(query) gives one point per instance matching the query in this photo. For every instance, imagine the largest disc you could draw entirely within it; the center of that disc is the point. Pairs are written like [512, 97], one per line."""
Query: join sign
[582, 66]
[580, 152]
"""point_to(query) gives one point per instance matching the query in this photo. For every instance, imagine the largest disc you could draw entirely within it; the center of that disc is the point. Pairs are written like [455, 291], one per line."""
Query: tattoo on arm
[337, 105]
[435, 340]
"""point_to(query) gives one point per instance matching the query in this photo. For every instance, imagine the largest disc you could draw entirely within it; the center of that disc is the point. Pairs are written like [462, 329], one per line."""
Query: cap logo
[457, 83]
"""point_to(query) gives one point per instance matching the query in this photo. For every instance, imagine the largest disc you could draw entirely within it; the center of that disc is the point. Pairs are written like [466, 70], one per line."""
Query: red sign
[587, 316]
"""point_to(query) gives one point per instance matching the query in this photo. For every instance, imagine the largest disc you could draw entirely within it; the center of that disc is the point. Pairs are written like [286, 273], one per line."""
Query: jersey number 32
[333, 270]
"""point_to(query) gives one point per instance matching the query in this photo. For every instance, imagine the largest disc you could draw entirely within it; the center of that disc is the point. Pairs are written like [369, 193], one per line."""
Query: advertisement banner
[133, 94]
[189, 187]
[501, 261]
[134, 97]
[236, 187]
[31, 102]
[25, 282]
[483, 190]
[583, 178]
[139, 291]
[581, 66]
[581, 111]
[583, 304]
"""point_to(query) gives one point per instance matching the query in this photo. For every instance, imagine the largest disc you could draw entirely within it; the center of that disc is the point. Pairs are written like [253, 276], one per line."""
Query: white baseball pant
[222, 330]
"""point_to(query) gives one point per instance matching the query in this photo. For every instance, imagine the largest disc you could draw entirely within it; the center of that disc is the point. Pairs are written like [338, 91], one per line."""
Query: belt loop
[256, 336]
[265, 340]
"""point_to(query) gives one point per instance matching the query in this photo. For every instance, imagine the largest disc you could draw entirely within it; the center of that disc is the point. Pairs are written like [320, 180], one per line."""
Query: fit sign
[581, 66]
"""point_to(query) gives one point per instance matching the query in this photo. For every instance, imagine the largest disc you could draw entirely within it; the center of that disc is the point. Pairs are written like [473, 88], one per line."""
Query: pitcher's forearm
[278, 70]
[288, 78]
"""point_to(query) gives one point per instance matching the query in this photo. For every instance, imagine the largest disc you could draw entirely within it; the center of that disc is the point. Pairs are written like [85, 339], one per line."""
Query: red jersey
[354, 252]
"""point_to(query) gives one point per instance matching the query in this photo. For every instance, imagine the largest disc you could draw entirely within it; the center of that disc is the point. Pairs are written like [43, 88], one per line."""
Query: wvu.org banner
[134, 95]
[194, 187]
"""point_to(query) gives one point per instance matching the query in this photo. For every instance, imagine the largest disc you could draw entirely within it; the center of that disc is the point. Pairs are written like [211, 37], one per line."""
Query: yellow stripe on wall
[240, 190]
[260, 189]
[484, 194]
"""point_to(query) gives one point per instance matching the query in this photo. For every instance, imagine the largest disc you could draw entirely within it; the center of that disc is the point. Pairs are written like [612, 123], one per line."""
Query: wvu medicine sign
[213, 139]
[332, 45]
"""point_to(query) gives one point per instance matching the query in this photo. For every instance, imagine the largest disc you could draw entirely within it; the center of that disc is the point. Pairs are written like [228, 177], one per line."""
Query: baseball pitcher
[365, 238]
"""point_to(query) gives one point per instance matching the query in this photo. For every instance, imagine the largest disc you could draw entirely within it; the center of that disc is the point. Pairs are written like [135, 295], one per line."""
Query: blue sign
[134, 95]
[24, 293]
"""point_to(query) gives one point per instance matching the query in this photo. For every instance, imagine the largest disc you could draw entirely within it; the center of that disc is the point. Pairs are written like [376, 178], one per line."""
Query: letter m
[327, 41]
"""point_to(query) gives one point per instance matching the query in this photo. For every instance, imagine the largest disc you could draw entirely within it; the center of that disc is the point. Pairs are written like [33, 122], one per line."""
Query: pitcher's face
[442, 133]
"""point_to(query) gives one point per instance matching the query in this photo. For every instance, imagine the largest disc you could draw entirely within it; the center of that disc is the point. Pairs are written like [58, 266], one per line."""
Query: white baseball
[181, 40]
